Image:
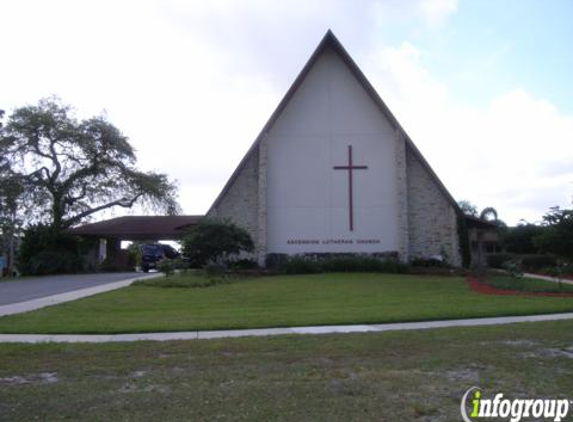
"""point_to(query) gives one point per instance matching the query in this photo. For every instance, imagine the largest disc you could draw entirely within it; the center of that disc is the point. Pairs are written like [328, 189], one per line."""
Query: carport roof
[164, 227]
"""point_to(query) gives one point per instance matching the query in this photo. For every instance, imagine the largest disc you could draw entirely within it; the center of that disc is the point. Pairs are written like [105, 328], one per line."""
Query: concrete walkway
[332, 329]
[28, 288]
[41, 302]
[547, 278]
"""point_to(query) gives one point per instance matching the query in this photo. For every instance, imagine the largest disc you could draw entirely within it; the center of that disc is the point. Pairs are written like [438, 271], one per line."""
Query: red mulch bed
[483, 288]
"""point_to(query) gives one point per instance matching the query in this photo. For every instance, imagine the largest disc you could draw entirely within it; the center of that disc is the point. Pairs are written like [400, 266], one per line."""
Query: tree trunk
[58, 213]
[10, 263]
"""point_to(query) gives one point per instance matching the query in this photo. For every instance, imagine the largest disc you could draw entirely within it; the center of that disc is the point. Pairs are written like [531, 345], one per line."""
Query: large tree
[557, 235]
[71, 169]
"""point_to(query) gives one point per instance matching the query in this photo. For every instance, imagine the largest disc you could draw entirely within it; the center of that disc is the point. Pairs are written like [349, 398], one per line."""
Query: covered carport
[133, 228]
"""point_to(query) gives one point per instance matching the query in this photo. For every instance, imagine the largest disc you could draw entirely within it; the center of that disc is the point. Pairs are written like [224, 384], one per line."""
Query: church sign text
[333, 241]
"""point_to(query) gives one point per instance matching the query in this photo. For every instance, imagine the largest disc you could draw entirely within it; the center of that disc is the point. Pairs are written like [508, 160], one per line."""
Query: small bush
[514, 269]
[497, 260]
[166, 266]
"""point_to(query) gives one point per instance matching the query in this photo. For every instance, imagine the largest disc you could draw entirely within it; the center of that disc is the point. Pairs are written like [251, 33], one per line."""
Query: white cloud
[434, 13]
[515, 154]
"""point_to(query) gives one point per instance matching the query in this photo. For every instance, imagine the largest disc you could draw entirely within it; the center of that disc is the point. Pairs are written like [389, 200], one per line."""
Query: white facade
[308, 204]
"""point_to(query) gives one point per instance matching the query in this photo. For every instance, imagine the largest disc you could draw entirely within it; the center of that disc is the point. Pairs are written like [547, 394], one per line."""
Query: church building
[332, 171]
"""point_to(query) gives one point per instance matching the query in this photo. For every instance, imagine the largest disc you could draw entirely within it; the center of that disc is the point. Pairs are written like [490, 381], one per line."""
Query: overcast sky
[483, 87]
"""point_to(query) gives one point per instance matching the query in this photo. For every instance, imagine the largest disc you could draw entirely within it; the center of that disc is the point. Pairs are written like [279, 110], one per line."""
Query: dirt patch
[519, 343]
[549, 353]
[138, 374]
[151, 388]
[39, 378]
[463, 375]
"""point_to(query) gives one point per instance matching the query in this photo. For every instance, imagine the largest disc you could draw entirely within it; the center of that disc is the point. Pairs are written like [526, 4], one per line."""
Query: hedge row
[529, 262]
[301, 264]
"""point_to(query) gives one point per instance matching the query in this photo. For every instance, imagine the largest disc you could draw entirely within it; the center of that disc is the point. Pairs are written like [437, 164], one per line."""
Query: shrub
[497, 260]
[520, 239]
[57, 262]
[48, 251]
[214, 240]
[179, 282]
[274, 260]
[215, 273]
[362, 264]
[167, 266]
[243, 264]
[299, 265]
[302, 264]
[513, 268]
[537, 262]
[108, 266]
[428, 263]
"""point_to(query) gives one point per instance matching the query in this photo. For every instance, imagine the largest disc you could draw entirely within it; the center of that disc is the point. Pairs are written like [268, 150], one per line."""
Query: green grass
[528, 284]
[400, 376]
[321, 299]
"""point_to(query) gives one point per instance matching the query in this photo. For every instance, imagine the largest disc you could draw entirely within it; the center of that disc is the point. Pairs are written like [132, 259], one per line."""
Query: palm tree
[487, 214]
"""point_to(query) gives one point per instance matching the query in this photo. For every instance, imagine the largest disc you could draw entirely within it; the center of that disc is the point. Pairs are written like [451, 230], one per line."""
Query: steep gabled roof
[330, 41]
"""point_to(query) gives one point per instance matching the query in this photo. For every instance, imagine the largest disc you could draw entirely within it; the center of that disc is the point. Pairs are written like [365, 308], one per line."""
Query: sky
[483, 87]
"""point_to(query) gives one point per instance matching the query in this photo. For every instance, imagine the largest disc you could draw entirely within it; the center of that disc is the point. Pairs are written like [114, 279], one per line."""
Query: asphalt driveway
[28, 288]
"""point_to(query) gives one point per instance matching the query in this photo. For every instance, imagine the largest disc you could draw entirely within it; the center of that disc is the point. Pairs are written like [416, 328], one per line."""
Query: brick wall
[240, 203]
[432, 222]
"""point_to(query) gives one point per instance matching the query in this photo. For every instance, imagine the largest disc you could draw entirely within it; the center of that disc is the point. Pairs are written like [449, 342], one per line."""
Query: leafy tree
[557, 236]
[214, 240]
[468, 208]
[12, 195]
[72, 169]
[519, 239]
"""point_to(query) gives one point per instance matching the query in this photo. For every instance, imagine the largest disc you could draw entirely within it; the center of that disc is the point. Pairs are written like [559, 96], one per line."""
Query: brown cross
[350, 167]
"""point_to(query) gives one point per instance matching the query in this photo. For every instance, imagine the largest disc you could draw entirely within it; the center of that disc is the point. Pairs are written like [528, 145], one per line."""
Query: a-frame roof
[330, 41]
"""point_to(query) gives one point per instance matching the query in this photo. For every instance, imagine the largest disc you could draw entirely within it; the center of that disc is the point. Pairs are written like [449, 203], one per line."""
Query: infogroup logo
[514, 410]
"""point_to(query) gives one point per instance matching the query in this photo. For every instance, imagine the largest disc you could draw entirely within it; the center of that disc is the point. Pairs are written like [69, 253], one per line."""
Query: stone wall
[402, 191]
[432, 220]
[240, 203]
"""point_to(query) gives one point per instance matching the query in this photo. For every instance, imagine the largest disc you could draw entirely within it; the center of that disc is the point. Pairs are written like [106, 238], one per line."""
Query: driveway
[28, 288]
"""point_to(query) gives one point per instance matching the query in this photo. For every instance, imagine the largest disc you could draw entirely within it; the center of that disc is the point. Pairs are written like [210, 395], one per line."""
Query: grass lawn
[278, 301]
[400, 376]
